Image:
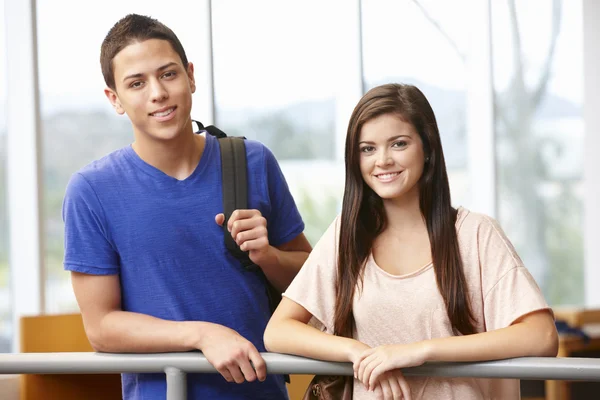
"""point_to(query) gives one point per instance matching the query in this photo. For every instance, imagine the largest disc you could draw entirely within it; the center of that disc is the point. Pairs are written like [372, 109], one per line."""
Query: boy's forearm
[128, 332]
[282, 267]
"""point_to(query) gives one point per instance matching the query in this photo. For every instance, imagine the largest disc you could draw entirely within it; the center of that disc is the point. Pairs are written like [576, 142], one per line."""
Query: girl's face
[391, 157]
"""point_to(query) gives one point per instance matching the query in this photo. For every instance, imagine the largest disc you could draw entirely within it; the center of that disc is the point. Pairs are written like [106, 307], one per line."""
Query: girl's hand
[392, 386]
[374, 362]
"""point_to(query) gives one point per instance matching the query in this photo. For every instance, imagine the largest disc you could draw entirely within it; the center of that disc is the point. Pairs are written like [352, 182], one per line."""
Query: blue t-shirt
[123, 216]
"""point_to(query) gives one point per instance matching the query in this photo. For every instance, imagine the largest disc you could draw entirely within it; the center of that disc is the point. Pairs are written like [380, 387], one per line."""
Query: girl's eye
[367, 149]
[399, 144]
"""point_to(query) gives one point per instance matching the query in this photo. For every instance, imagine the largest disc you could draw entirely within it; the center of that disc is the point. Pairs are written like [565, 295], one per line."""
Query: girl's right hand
[392, 386]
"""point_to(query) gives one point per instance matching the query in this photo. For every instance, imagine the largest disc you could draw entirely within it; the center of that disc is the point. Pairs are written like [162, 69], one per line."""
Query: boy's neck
[177, 158]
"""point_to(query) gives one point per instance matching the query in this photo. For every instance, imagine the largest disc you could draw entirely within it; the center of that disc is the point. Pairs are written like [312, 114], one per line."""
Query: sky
[271, 53]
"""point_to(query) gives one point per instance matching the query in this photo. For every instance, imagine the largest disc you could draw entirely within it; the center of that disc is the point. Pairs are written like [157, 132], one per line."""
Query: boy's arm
[110, 329]
[285, 262]
[279, 263]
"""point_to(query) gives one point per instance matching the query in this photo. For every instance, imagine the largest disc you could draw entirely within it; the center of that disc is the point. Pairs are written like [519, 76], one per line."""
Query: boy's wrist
[193, 333]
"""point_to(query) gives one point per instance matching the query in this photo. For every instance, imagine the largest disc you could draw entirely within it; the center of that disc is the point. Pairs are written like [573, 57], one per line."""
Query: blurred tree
[549, 227]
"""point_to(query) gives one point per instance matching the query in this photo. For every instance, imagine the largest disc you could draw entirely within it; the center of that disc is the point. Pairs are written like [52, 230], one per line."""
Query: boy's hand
[232, 355]
[249, 230]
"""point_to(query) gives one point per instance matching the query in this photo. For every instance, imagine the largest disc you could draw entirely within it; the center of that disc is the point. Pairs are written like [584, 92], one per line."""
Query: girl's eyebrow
[389, 140]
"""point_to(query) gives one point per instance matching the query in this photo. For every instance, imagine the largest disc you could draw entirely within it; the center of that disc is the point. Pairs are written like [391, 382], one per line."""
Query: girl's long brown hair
[363, 216]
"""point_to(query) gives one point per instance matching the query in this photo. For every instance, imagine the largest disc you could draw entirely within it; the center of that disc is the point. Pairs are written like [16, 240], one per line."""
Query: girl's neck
[404, 216]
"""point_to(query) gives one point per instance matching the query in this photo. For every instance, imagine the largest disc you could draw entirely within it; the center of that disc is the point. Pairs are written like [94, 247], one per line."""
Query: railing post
[176, 384]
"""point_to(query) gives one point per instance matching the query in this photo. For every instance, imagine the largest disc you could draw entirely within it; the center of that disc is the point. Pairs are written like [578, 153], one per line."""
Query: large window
[275, 81]
[5, 314]
[423, 43]
[538, 69]
[78, 125]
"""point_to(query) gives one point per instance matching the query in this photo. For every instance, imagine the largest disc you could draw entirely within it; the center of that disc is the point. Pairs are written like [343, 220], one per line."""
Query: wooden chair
[62, 333]
[58, 333]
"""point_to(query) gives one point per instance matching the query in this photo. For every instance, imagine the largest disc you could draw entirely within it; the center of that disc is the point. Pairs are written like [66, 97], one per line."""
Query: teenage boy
[144, 237]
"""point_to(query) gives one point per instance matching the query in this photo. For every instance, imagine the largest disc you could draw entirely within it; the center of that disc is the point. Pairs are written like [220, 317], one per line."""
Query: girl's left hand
[376, 361]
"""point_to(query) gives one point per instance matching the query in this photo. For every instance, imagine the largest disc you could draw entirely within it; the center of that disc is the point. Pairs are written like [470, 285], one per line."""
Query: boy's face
[153, 89]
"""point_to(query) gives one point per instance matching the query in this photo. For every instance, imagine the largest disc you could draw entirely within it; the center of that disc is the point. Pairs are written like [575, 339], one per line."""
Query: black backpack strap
[235, 188]
[234, 178]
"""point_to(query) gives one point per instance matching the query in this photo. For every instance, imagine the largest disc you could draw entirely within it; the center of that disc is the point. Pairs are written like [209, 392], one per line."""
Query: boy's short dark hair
[130, 29]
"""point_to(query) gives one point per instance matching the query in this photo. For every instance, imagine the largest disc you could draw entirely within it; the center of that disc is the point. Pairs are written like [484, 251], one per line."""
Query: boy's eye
[169, 74]
[135, 84]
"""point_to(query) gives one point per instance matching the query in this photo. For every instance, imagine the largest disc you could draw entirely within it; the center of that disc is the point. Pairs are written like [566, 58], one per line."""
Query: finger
[247, 224]
[396, 389]
[248, 233]
[366, 354]
[386, 389]
[373, 362]
[376, 374]
[403, 385]
[247, 370]
[378, 392]
[259, 364]
[361, 368]
[225, 374]
[359, 361]
[219, 219]
[255, 244]
[241, 214]
[236, 374]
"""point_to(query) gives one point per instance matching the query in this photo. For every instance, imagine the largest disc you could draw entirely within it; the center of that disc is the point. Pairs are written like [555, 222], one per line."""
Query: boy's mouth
[163, 112]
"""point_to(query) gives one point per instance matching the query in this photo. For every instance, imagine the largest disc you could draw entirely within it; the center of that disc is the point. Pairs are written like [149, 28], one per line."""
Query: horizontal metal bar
[534, 368]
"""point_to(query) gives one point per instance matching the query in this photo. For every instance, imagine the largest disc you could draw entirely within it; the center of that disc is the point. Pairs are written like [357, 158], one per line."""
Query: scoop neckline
[461, 214]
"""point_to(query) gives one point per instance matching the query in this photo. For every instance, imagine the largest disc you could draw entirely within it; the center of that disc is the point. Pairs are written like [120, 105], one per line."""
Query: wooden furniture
[589, 321]
[58, 333]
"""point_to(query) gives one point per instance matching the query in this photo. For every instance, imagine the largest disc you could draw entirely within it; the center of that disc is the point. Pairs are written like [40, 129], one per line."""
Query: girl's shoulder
[471, 221]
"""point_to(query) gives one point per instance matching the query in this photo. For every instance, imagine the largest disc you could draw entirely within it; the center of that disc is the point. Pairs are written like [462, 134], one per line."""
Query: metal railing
[176, 366]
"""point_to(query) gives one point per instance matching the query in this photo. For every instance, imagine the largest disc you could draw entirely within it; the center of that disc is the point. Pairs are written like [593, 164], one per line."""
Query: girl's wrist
[355, 349]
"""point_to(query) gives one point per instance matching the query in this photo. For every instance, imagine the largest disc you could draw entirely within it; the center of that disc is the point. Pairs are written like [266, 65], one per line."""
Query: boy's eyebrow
[389, 140]
[139, 75]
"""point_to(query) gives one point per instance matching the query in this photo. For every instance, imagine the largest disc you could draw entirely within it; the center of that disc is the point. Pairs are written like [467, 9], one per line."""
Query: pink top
[409, 308]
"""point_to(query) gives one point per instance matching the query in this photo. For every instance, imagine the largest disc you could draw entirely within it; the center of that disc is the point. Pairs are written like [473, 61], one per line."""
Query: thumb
[219, 219]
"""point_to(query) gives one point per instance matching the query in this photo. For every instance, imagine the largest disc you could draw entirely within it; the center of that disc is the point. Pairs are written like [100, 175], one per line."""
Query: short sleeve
[87, 246]
[284, 222]
[510, 291]
[314, 286]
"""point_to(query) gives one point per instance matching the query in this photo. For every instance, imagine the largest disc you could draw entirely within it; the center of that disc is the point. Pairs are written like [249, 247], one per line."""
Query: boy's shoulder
[258, 155]
[105, 168]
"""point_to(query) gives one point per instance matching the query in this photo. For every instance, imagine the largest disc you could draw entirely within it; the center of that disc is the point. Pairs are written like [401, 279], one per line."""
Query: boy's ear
[190, 73]
[112, 96]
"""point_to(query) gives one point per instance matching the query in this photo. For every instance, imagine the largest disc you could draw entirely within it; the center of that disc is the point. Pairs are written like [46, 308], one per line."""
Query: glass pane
[421, 43]
[276, 83]
[5, 301]
[78, 124]
[538, 69]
